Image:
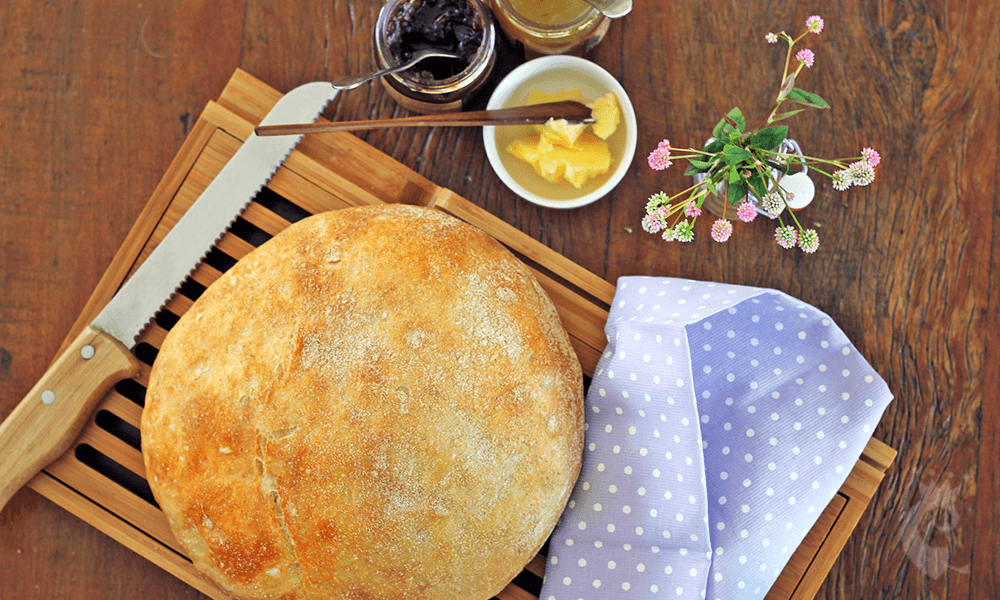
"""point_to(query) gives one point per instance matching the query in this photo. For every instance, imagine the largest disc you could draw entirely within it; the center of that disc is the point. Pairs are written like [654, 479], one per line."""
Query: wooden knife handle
[50, 418]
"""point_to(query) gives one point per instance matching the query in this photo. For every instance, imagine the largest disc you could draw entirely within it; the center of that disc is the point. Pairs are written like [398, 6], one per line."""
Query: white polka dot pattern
[721, 421]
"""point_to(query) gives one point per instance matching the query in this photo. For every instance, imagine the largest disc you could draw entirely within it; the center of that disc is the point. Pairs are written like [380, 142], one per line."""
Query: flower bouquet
[746, 167]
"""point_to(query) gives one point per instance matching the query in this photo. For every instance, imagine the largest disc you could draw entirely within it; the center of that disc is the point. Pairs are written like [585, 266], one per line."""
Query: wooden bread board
[102, 478]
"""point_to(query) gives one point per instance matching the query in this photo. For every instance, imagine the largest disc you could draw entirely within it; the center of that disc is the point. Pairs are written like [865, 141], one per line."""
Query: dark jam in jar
[450, 25]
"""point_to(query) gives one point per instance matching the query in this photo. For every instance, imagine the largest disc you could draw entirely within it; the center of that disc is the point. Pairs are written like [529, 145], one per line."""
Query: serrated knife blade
[47, 421]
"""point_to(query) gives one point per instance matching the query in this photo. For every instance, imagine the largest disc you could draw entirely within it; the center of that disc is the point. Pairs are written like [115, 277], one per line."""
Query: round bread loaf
[378, 403]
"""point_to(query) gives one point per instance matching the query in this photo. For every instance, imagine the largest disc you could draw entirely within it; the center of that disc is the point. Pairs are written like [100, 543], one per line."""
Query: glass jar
[717, 203]
[435, 84]
[552, 26]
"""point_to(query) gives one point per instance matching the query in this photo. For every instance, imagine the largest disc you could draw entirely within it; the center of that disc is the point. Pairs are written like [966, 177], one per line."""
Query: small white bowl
[552, 74]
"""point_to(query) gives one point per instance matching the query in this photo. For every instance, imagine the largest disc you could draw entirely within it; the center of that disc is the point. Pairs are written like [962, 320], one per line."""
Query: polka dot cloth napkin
[720, 423]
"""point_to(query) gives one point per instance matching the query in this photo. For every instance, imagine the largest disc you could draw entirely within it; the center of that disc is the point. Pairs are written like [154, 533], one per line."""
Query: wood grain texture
[97, 97]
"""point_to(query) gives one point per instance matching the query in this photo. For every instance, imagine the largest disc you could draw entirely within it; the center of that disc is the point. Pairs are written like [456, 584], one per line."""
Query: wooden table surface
[97, 96]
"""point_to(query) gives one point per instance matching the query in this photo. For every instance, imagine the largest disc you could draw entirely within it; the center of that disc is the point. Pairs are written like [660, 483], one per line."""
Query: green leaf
[741, 122]
[737, 192]
[769, 139]
[734, 154]
[718, 132]
[790, 113]
[715, 147]
[697, 166]
[734, 174]
[724, 129]
[807, 98]
[757, 186]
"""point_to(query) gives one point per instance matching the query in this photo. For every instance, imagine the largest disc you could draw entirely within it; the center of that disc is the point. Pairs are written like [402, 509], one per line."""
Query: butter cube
[606, 115]
[560, 132]
[577, 164]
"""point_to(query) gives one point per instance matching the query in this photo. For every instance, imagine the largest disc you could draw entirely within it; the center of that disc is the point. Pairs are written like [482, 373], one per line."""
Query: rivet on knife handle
[50, 418]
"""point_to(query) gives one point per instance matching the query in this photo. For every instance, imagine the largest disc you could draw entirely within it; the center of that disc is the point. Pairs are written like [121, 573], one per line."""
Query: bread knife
[48, 420]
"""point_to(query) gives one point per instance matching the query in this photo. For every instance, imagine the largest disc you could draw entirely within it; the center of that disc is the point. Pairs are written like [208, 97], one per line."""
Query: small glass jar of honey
[551, 26]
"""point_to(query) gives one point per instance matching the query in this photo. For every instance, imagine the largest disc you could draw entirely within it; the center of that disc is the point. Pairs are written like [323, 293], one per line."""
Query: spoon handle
[614, 9]
[536, 114]
[348, 82]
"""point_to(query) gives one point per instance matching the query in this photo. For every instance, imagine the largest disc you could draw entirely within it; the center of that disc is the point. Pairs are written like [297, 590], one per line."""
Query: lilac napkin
[720, 423]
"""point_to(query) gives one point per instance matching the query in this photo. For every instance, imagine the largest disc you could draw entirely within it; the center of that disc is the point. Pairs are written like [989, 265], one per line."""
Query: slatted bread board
[102, 478]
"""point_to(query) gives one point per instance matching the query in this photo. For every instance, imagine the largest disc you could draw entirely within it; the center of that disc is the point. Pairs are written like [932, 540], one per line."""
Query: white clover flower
[862, 172]
[842, 180]
[773, 204]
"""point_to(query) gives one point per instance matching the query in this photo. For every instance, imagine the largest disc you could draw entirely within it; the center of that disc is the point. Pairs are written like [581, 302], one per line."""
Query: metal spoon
[614, 9]
[348, 82]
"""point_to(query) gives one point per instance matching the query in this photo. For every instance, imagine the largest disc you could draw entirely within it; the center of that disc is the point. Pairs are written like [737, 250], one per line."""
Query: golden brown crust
[378, 403]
